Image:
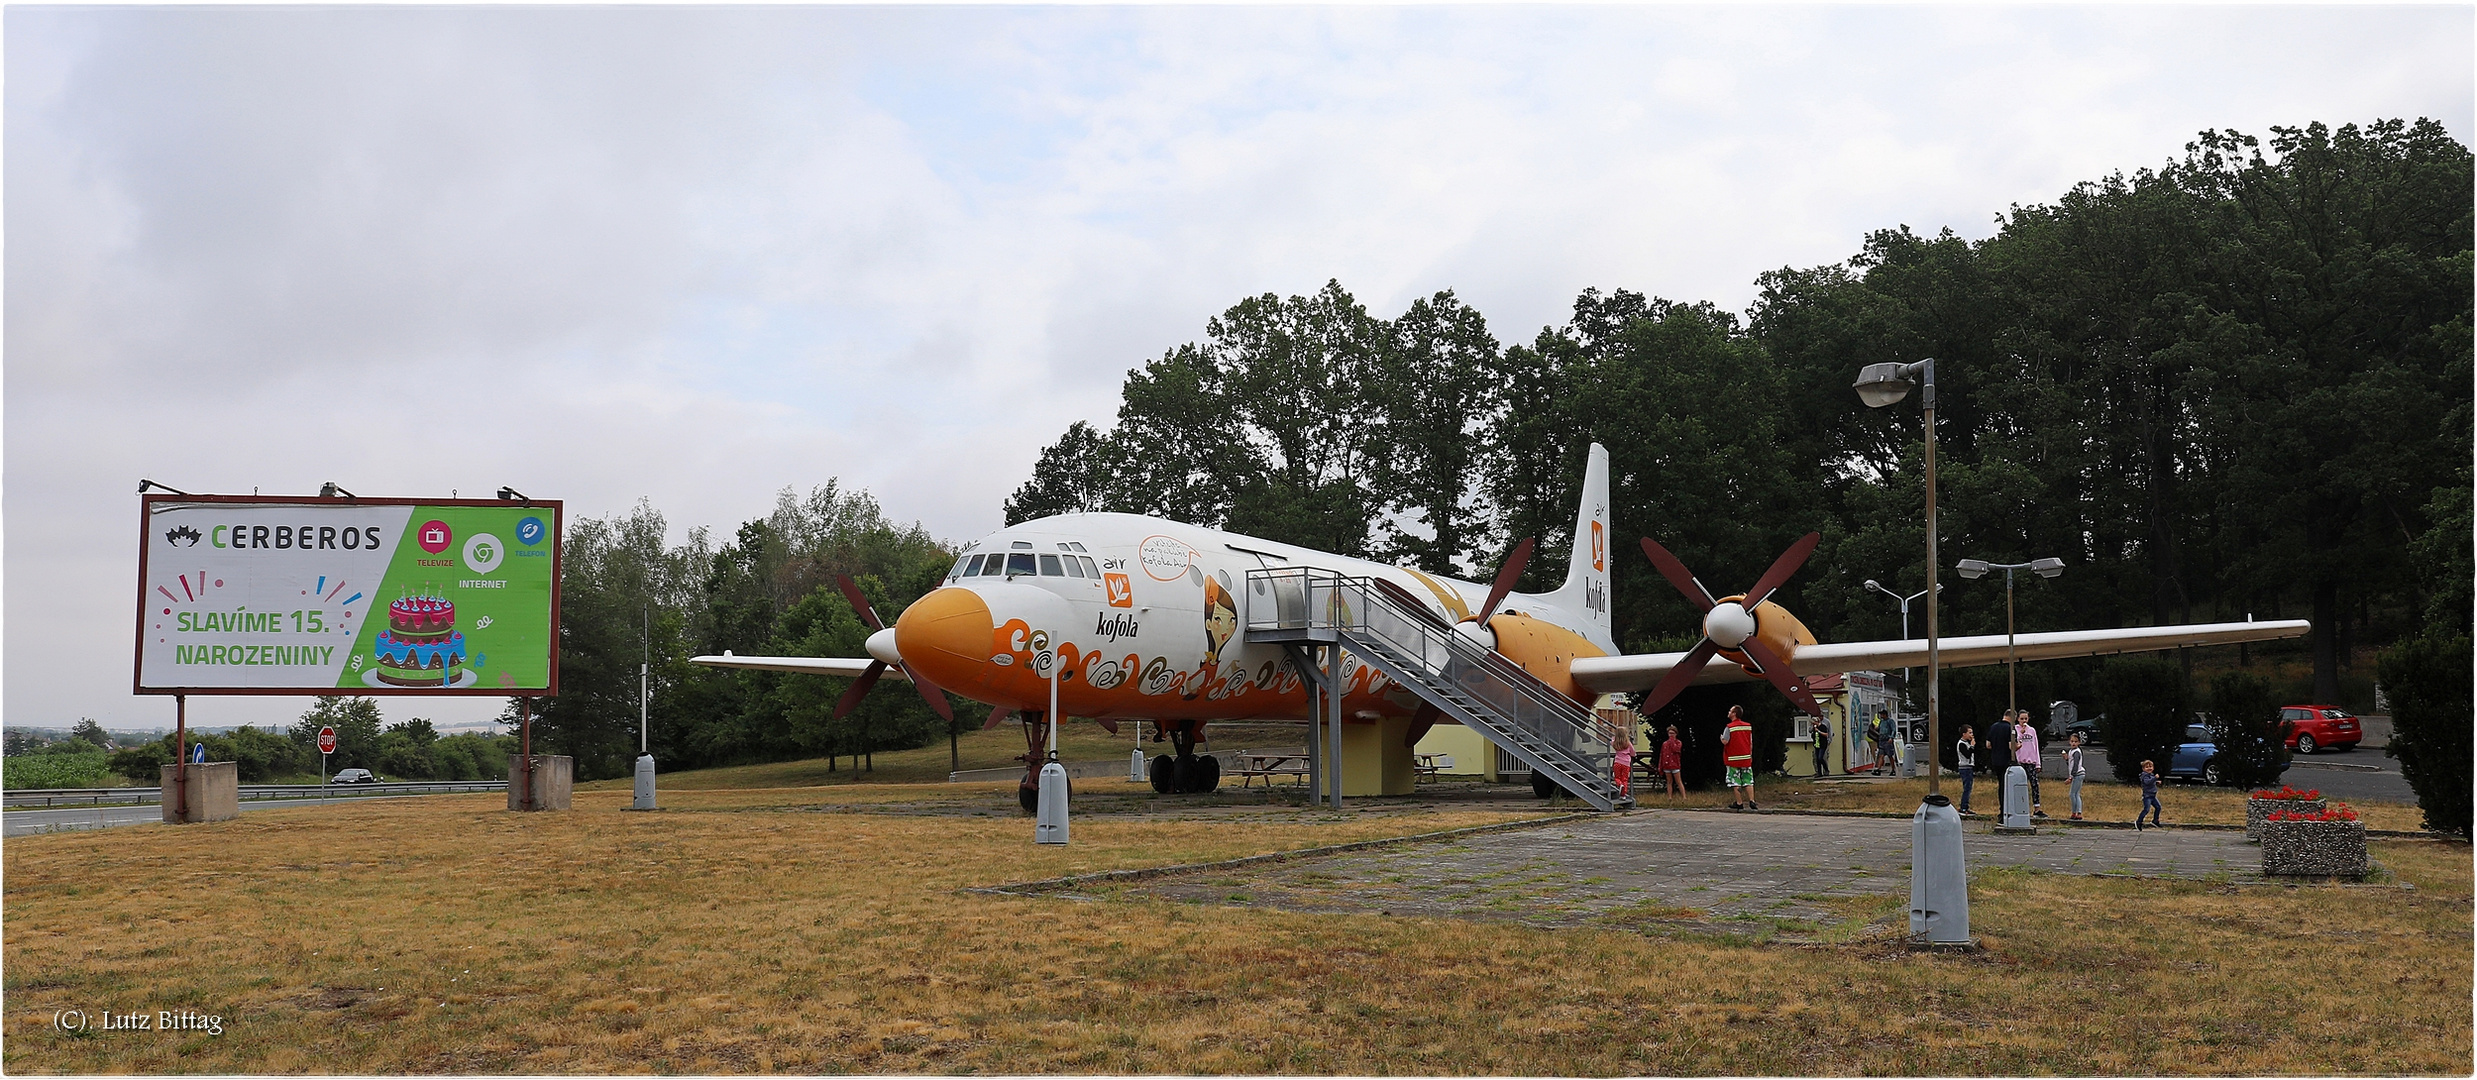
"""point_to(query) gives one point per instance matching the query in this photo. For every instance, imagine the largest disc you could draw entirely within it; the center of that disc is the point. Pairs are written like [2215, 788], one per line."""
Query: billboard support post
[525, 709]
[180, 755]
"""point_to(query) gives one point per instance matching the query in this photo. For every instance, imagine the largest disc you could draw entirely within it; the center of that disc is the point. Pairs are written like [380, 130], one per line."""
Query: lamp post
[1974, 569]
[1939, 895]
[1879, 587]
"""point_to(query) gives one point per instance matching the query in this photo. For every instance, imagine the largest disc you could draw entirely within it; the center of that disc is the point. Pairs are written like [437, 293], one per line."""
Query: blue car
[2197, 758]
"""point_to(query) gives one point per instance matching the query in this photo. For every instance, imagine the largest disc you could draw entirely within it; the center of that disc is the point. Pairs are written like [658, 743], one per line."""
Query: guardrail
[143, 796]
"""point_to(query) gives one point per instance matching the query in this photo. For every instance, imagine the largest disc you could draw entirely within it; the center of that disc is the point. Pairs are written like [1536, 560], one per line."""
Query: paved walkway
[1790, 876]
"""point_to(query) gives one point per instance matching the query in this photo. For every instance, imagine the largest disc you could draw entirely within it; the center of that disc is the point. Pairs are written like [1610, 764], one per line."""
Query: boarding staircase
[1462, 678]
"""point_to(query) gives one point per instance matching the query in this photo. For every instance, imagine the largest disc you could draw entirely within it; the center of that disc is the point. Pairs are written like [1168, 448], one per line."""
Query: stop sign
[326, 740]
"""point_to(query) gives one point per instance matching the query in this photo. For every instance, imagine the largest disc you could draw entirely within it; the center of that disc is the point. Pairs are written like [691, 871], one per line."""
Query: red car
[2320, 727]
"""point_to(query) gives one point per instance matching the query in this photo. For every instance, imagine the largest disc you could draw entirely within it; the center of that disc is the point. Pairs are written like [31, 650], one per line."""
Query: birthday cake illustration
[421, 645]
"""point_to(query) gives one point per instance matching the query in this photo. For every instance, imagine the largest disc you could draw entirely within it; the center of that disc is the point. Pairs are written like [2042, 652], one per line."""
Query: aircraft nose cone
[944, 635]
[1729, 625]
[882, 646]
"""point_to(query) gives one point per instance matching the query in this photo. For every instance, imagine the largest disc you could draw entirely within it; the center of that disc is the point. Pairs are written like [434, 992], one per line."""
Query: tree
[2245, 726]
[92, 732]
[356, 724]
[2145, 712]
[2428, 681]
[1435, 392]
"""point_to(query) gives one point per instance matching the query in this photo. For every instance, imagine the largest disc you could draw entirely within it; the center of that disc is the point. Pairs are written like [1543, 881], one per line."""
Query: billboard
[249, 595]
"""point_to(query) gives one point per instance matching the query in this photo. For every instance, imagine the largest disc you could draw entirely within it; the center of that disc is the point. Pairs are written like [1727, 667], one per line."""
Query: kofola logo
[434, 536]
[1112, 627]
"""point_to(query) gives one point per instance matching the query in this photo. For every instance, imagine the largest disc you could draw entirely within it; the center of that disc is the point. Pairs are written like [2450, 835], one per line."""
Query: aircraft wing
[847, 667]
[1611, 674]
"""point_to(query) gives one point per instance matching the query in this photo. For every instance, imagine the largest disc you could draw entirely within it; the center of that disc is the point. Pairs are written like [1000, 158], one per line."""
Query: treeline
[406, 750]
[2235, 385]
[626, 595]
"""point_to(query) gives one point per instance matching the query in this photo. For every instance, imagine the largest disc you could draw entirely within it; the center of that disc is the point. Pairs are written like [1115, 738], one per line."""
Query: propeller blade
[1679, 677]
[1421, 721]
[859, 602]
[1507, 573]
[1409, 600]
[1776, 670]
[930, 693]
[1107, 724]
[859, 689]
[1782, 567]
[996, 715]
[1684, 579]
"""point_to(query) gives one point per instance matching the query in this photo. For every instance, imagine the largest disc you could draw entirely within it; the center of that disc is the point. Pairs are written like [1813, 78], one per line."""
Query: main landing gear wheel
[1163, 773]
[1204, 775]
[1545, 787]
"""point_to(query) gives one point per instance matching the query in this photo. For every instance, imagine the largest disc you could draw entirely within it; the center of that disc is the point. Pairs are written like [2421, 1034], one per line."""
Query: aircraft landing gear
[1035, 755]
[1185, 773]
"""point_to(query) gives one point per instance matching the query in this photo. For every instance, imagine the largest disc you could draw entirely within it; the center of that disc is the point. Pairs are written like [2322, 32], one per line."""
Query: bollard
[1939, 885]
[1135, 767]
[2016, 817]
[1051, 828]
[644, 782]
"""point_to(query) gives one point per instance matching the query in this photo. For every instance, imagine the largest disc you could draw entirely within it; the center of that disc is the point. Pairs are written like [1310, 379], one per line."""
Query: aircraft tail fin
[1585, 593]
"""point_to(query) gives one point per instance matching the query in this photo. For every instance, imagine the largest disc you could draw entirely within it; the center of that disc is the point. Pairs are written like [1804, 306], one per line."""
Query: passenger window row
[1043, 564]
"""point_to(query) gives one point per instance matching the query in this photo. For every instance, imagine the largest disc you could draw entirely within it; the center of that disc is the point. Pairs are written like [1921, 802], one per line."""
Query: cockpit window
[1090, 570]
[1019, 562]
[1073, 569]
[995, 566]
[966, 566]
[1049, 566]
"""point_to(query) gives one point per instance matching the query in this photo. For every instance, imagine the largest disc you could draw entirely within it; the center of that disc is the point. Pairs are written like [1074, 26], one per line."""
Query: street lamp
[1879, 587]
[1939, 889]
[1974, 569]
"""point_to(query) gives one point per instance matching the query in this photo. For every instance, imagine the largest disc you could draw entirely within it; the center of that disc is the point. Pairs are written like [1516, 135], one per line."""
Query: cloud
[697, 255]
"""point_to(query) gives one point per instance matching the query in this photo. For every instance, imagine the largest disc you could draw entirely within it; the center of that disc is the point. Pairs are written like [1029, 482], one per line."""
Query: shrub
[2145, 702]
[51, 770]
[143, 763]
[2428, 680]
[2245, 725]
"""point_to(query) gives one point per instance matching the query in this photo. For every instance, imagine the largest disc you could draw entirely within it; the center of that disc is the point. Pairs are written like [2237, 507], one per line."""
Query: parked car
[2197, 758]
[354, 776]
[2321, 727]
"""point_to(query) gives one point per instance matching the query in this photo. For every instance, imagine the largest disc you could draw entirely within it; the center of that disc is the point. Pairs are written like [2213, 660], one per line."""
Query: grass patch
[743, 931]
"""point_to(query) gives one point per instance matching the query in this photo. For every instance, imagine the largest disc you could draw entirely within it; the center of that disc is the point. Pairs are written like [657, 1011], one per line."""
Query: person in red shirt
[1737, 752]
[1673, 763]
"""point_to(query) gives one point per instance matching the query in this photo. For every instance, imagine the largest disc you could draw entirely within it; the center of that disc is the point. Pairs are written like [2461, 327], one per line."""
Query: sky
[696, 255]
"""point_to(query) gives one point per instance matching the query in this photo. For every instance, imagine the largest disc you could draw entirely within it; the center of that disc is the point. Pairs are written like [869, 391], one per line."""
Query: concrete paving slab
[1768, 876]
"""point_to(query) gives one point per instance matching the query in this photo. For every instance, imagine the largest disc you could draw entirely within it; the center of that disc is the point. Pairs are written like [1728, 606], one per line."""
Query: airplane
[1182, 625]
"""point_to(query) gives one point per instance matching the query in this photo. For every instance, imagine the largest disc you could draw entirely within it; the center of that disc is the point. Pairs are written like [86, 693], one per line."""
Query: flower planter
[2314, 848]
[2259, 808]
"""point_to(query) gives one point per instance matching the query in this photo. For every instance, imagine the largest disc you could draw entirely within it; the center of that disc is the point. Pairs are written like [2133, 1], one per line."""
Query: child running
[2150, 797]
[1625, 766]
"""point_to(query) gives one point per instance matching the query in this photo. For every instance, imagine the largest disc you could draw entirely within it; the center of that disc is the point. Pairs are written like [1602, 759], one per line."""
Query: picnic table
[1271, 763]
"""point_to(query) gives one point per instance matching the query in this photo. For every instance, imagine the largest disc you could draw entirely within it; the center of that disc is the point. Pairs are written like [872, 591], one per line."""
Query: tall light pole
[1974, 569]
[1879, 587]
[1939, 891]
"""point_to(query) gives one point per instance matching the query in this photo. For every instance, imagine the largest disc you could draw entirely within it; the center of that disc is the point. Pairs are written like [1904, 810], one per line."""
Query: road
[2359, 775]
[26, 822]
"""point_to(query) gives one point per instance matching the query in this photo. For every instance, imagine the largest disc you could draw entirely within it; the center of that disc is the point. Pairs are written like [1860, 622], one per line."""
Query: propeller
[868, 676]
[1731, 624]
[1508, 572]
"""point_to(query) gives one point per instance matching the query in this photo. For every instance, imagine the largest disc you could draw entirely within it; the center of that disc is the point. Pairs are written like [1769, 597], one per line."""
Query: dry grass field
[825, 930]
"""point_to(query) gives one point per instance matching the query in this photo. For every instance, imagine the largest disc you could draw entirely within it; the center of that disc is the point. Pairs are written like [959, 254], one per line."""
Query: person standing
[2073, 771]
[2025, 754]
[2150, 797]
[1997, 748]
[1673, 764]
[1965, 759]
[1823, 747]
[1737, 754]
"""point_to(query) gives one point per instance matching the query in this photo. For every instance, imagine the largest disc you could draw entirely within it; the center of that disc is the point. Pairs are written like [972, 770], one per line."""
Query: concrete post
[1052, 825]
[2016, 802]
[1939, 887]
[644, 782]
